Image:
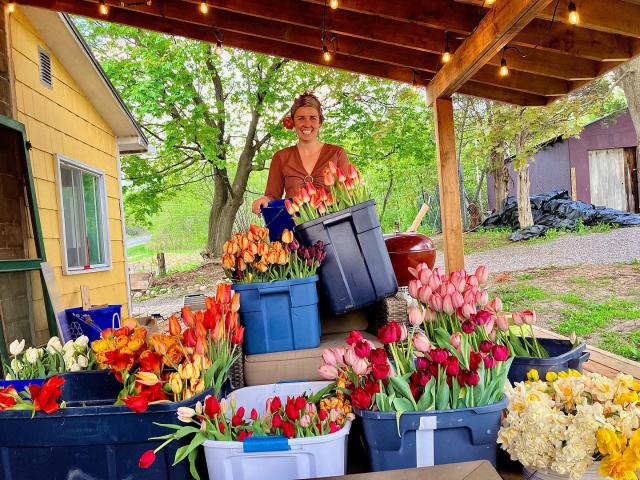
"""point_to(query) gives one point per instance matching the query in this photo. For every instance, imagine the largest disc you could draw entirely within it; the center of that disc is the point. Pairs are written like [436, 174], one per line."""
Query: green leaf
[193, 454]
[320, 394]
[426, 399]
[403, 405]
[183, 451]
[401, 385]
[442, 396]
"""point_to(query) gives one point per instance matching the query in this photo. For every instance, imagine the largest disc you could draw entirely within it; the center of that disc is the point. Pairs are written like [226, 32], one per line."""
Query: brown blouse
[288, 175]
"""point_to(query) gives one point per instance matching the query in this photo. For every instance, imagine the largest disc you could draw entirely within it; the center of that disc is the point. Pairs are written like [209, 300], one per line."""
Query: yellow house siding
[63, 121]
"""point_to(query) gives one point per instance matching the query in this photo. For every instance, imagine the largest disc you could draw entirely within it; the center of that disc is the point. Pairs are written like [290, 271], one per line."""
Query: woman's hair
[307, 99]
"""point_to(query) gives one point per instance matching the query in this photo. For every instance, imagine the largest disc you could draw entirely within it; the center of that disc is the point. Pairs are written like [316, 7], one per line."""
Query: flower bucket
[532, 474]
[277, 458]
[562, 356]
[89, 441]
[92, 322]
[423, 439]
[357, 271]
[279, 316]
[276, 219]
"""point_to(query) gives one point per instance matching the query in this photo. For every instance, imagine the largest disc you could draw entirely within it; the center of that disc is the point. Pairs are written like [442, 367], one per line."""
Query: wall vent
[46, 77]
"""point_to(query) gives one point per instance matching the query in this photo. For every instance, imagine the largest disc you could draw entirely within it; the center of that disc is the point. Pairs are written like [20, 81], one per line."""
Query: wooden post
[574, 188]
[162, 266]
[449, 187]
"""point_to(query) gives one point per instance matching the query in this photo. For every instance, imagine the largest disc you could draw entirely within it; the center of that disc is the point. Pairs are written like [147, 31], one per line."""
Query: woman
[305, 161]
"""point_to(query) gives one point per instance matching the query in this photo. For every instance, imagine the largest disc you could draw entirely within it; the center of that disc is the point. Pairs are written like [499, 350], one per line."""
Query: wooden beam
[503, 95]
[462, 19]
[450, 215]
[495, 30]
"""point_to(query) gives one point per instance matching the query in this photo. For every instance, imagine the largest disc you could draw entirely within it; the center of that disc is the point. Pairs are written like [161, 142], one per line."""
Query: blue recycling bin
[276, 219]
[92, 322]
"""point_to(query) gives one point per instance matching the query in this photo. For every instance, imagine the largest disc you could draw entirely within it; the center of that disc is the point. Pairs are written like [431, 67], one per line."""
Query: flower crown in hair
[287, 122]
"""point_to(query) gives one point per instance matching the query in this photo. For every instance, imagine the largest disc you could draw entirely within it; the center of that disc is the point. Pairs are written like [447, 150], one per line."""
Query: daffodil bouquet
[568, 420]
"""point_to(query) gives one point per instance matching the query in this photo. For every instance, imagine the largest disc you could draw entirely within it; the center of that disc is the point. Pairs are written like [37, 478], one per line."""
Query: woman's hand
[259, 203]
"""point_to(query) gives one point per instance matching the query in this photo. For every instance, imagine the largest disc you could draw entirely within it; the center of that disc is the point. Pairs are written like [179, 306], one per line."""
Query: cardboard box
[478, 470]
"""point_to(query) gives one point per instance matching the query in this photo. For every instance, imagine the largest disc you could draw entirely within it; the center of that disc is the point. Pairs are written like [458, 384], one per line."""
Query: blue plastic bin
[20, 385]
[357, 271]
[93, 386]
[92, 322]
[562, 356]
[431, 437]
[279, 316]
[92, 441]
[276, 219]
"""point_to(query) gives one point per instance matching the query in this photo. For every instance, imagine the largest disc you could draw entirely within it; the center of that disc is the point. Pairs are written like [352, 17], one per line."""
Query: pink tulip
[451, 288]
[457, 300]
[528, 317]
[421, 342]
[413, 272]
[360, 367]
[305, 421]
[403, 332]
[468, 310]
[444, 289]
[414, 286]
[328, 372]
[495, 305]
[482, 298]
[469, 297]
[472, 280]
[329, 357]
[462, 284]
[429, 315]
[434, 282]
[502, 322]
[438, 272]
[424, 293]
[350, 356]
[435, 302]
[311, 408]
[424, 275]
[447, 305]
[416, 316]
[482, 274]
[517, 318]
[488, 327]
[455, 340]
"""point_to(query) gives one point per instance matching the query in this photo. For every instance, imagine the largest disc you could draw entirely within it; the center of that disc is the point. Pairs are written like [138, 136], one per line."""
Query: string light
[488, 3]
[219, 38]
[326, 54]
[504, 70]
[333, 4]
[414, 83]
[103, 8]
[574, 18]
[446, 55]
[204, 8]
[11, 7]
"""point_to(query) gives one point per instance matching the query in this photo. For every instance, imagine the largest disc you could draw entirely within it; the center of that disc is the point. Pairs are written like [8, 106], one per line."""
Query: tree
[629, 78]
[210, 118]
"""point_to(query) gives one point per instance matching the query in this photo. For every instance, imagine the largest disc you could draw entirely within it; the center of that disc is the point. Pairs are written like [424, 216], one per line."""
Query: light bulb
[488, 3]
[574, 18]
[326, 54]
[204, 8]
[103, 8]
[446, 56]
[414, 87]
[219, 47]
[333, 4]
[504, 70]
[11, 7]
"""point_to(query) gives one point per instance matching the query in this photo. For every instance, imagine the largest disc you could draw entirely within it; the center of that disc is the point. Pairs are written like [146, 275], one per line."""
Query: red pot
[408, 250]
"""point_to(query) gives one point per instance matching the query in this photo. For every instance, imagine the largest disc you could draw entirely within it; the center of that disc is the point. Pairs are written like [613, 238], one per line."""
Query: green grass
[185, 267]
[139, 252]
[587, 318]
[520, 296]
[620, 345]
[582, 281]
[526, 276]
[573, 299]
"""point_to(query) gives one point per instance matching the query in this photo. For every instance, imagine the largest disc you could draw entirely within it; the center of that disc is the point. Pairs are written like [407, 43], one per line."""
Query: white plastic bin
[277, 458]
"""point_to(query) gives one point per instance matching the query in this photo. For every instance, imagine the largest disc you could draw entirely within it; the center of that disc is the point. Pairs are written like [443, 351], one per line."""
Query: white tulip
[68, 346]
[81, 343]
[40, 352]
[31, 355]
[8, 377]
[16, 366]
[83, 361]
[16, 347]
[54, 345]
[75, 368]
[69, 359]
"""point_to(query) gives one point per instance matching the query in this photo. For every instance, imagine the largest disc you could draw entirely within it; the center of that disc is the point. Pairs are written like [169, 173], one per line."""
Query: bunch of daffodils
[54, 358]
[569, 420]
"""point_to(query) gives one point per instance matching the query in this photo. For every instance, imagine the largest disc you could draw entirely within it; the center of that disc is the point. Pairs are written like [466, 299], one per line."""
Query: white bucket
[590, 474]
[272, 458]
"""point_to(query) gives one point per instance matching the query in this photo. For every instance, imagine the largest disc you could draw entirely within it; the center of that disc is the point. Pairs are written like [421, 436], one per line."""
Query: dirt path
[619, 245]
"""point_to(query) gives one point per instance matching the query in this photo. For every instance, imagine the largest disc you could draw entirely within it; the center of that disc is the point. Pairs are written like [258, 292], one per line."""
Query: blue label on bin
[265, 444]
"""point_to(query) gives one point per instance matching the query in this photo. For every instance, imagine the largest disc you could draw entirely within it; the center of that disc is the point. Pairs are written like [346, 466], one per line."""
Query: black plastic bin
[90, 441]
[357, 271]
[562, 356]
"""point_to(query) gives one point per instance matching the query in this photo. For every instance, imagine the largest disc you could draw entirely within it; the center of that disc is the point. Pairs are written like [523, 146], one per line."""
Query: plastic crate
[277, 458]
[92, 322]
[276, 219]
[562, 356]
[429, 438]
[91, 441]
[279, 316]
[357, 271]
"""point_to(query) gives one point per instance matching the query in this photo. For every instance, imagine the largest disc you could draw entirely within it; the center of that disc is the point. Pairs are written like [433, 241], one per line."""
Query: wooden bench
[600, 361]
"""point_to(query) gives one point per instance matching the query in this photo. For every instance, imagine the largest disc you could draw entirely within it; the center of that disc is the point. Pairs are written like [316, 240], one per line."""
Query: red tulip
[292, 411]
[288, 429]
[388, 333]
[500, 352]
[238, 334]
[380, 371]
[468, 327]
[137, 403]
[452, 366]
[489, 361]
[340, 174]
[473, 378]
[353, 337]
[189, 337]
[174, 326]
[147, 459]
[378, 355]
[360, 398]
[275, 404]
[254, 414]
[211, 406]
[475, 358]
[485, 346]
[362, 348]
[438, 355]
[188, 317]
[276, 421]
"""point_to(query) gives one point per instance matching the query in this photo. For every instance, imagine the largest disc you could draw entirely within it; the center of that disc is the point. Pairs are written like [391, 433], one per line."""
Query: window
[84, 217]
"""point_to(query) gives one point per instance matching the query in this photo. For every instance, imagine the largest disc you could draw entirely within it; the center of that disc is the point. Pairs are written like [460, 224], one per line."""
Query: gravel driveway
[619, 245]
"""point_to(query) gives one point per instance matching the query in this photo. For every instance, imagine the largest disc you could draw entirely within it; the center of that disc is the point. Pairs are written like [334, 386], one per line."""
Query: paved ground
[620, 245]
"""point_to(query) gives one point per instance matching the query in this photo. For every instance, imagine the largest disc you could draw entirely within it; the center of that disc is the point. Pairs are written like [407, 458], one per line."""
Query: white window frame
[62, 160]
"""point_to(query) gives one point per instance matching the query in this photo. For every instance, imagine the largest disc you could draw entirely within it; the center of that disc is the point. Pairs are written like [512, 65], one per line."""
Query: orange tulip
[129, 322]
[255, 230]
[248, 257]
[263, 248]
[329, 179]
[188, 317]
[310, 188]
[241, 265]
[322, 209]
[174, 326]
[235, 302]
[283, 257]
[287, 236]
[353, 173]
[223, 293]
[332, 168]
[228, 262]
[158, 344]
[340, 174]
[261, 266]
[200, 329]
[298, 201]
[290, 207]
[200, 348]
[231, 321]
[217, 332]
[304, 194]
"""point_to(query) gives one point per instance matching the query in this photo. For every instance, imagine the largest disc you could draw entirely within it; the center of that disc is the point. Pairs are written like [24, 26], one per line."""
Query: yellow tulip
[176, 383]
[147, 378]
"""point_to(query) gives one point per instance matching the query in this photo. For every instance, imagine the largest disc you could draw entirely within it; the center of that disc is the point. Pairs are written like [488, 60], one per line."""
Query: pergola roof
[403, 39]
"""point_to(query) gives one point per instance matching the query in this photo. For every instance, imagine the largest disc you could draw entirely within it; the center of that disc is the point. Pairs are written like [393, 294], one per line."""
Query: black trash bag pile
[557, 210]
